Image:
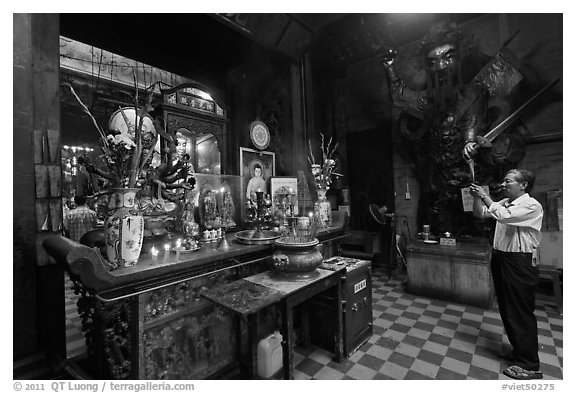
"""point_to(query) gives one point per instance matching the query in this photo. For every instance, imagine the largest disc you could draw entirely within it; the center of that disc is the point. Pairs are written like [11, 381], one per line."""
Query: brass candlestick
[259, 214]
[224, 243]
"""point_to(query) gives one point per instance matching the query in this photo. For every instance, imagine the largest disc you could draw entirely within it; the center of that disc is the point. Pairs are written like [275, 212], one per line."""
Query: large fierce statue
[450, 93]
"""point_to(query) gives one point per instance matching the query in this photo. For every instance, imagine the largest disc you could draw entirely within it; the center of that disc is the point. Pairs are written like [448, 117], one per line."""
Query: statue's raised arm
[402, 95]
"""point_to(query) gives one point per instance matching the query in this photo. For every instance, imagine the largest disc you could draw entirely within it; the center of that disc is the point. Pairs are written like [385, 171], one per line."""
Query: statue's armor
[449, 116]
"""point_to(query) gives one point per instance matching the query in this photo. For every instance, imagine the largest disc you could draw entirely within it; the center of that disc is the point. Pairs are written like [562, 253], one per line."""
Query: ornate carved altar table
[150, 321]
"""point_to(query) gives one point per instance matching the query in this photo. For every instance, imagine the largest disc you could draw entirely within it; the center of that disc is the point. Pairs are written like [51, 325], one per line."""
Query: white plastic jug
[269, 355]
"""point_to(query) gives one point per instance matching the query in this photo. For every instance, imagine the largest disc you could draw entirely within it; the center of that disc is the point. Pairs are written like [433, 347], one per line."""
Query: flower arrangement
[125, 152]
[324, 172]
[127, 160]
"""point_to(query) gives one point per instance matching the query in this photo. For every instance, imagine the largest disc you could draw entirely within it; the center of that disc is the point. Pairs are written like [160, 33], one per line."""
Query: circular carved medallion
[259, 134]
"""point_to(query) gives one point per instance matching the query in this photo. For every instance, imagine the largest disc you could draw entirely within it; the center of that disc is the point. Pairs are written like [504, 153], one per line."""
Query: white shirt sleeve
[518, 215]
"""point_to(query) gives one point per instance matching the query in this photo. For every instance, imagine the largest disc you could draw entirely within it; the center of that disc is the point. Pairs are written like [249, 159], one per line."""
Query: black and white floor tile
[421, 338]
[414, 338]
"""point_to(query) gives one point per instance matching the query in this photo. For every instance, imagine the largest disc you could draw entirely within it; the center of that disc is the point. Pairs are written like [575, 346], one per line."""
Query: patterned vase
[324, 209]
[124, 228]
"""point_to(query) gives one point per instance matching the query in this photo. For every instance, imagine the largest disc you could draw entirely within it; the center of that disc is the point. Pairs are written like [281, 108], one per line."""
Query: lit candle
[313, 225]
[222, 206]
[166, 252]
[178, 248]
[154, 252]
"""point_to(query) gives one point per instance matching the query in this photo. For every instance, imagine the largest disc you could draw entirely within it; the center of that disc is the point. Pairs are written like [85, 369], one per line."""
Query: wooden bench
[550, 272]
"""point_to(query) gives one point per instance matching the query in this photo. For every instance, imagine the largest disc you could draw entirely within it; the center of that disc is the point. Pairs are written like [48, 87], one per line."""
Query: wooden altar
[459, 273]
[150, 321]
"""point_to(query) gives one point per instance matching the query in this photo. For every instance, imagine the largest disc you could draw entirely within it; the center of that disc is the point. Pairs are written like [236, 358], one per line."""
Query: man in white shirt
[514, 266]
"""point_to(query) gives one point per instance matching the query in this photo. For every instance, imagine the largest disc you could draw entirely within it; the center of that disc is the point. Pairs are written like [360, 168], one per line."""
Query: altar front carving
[150, 321]
[182, 335]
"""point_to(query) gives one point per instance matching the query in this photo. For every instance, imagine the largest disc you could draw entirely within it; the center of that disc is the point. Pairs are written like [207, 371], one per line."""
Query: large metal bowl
[297, 261]
[287, 243]
[253, 236]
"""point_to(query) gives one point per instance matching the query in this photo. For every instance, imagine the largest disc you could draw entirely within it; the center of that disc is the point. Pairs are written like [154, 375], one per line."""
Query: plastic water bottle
[269, 355]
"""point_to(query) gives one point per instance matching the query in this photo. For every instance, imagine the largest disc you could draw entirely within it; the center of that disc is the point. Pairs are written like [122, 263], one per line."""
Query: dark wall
[351, 105]
[260, 90]
[369, 172]
[24, 228]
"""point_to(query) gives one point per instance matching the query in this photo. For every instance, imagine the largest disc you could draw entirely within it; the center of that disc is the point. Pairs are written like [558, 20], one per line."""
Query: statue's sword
[486, 140]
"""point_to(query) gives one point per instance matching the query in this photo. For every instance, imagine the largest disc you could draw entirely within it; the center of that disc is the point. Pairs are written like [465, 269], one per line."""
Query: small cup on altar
[154, 252]
[304, 222]
[178, 248]
[219, 233]
[206, 234]
[426, 232]
[213, 234]
[166, 252]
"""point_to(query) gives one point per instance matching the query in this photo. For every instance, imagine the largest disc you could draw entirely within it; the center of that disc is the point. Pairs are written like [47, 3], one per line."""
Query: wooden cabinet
[458, 273]
[357, 306]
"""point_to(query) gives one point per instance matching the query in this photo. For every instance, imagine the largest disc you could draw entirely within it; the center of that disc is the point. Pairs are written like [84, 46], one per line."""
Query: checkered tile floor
[421, 338]
[414, 338]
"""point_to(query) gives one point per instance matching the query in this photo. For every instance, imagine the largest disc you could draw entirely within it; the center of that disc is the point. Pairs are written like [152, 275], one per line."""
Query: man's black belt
[511, 252]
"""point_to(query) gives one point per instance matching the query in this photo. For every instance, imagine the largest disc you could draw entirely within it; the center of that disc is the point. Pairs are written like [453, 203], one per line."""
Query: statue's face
[181, 144]
[442, 58]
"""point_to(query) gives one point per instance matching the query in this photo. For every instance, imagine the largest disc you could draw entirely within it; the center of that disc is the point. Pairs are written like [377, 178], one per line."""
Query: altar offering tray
[185, 251]
[254, 236]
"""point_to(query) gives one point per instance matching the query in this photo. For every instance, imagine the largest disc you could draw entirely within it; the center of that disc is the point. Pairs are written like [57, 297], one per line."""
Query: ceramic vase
[324, 210]
[124, 228]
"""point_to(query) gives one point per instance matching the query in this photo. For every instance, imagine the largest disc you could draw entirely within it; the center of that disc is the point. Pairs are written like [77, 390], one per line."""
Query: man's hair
[524, 175]
[80, 200]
